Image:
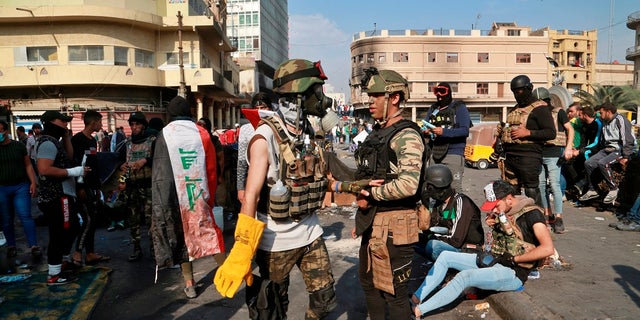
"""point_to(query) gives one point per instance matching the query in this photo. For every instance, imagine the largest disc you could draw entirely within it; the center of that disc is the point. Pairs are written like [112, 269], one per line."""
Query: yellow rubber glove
[237, 266]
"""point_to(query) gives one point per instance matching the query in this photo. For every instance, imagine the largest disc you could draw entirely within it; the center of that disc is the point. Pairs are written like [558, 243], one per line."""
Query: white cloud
[315, 37]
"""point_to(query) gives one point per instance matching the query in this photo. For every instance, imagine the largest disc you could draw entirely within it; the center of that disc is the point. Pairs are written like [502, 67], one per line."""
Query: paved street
[603, 281]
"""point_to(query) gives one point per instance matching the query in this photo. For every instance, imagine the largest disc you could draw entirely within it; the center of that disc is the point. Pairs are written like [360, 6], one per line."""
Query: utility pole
[182, 91]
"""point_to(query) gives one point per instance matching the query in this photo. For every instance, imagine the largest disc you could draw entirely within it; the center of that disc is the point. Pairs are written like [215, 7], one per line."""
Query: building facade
[478, 65]
[260, 31]
[116, 57]
[633, 53]
[614, 74]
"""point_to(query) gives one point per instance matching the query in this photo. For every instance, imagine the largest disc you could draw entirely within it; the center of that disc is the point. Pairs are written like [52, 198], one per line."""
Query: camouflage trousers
[313, 262]
[139, 201]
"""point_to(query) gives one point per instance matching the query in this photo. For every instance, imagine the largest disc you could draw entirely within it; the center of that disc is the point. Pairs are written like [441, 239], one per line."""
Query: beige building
[633, 53]
[478, 64]
[614, 74]
[115, 56]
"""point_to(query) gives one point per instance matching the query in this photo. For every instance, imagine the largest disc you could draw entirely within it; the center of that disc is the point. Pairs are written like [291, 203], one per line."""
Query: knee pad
[323, 301]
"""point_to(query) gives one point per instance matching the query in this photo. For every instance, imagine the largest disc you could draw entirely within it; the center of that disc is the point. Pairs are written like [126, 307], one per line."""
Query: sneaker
[591, 194]
[135, 256]
[611, 196]
[633, 226]
[120, 225]
[60, 279]
[558, 226]
[190, 292]
[622, 221]
[112, 227]
[534, 274]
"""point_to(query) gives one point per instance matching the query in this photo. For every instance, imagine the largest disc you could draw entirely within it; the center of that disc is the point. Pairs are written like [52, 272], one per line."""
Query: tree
[624, 97]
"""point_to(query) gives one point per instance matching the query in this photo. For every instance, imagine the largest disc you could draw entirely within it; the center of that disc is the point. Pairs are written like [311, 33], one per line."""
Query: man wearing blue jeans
[552, 151]
[507, 266]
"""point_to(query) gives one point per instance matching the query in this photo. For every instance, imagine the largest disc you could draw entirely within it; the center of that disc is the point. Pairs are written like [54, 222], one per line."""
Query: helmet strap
[386, 117]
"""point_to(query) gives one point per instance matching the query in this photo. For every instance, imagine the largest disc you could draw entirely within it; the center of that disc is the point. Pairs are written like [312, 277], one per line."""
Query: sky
[323, 29]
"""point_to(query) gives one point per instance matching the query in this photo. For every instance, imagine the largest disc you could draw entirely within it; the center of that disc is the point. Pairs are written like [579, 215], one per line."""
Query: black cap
[52, 115]
[36, 126]
[138, 117]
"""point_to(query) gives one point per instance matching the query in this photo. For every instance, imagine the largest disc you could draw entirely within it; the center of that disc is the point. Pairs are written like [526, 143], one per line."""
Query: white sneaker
[611, 196]
[591, 194]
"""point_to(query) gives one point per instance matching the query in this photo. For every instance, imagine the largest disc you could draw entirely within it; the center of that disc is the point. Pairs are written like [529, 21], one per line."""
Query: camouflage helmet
[297, 75]
[384, 81]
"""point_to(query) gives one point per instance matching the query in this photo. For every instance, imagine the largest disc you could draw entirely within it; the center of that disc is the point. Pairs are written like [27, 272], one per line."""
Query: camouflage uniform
[138, 190]
[395, 153]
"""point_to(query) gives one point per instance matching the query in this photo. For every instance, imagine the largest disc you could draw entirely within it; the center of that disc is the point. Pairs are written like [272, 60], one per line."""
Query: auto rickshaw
[480, 145]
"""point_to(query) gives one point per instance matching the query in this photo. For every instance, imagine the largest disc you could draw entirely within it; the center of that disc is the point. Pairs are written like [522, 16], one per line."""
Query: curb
[519, 306]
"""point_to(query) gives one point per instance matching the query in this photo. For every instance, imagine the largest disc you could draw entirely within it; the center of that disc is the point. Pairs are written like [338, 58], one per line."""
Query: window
[556, 45]
[86, 53]
[482, 88]
[513, 33]
[370, 58]
[248, 18]
[144, 59]
[523, 57]
[454, 86]
[360, 59]
[400, 57]
[382, 57]
[483, 57]
[38, 54]
[173, 58]
[431, 85]
[452, 57]
[120, 56]
[248, 43]
[431, 57]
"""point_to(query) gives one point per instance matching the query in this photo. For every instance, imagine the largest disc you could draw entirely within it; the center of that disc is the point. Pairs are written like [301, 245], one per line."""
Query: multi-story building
[260, 31]
[614, 74]
[116, 57]
[478, 64]
[633, 53]
[574, 53]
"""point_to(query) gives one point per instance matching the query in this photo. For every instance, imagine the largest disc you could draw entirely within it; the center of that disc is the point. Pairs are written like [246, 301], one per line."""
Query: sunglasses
[440, 91]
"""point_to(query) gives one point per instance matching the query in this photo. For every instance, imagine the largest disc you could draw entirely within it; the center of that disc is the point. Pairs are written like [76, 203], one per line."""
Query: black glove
[506, 259]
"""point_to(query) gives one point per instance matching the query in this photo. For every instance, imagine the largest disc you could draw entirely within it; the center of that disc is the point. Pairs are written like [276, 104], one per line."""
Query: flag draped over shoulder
[193, 161]
[254, 115]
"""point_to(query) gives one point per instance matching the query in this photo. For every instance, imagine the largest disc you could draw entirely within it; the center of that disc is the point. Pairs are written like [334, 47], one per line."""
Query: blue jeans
[497, 277]
[634, 212]
[434, 248]
[551, 169]
[18, 198]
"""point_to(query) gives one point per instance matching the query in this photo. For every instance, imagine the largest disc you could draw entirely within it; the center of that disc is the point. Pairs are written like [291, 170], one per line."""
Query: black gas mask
[523, 95]
[319, 105]
[435, 193]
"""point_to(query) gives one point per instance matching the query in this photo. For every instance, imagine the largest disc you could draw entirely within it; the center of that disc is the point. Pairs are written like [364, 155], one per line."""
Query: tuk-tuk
[480, 145]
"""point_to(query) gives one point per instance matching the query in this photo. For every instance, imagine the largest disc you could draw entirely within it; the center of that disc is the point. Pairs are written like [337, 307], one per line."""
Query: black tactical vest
[50, 189]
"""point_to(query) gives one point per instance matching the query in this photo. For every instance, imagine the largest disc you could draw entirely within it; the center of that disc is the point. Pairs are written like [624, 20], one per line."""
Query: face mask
[523, 97]
[319, 105]
[54, 130]
[2, 137]
[438, 194]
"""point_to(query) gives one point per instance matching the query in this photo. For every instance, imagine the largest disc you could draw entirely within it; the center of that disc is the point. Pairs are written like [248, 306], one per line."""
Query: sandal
[93, 258]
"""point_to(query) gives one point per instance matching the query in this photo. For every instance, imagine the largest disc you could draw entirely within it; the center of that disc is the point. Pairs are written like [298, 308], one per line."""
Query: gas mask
[522, 95]
[435, 193]
[319, 105]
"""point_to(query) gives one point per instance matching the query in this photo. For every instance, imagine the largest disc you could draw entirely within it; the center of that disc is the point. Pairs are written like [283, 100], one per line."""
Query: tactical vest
[304, 177]
[445, 118]
[373, 158]
[514, 243]
[516, 118]
[561, 136]
[137, 151]
[50, 188]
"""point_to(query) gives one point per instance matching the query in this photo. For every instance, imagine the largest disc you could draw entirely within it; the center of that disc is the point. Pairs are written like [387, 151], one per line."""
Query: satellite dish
[560, 97]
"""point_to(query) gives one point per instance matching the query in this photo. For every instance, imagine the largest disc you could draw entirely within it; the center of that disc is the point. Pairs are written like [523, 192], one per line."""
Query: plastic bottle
[506, 225]
[278, 191]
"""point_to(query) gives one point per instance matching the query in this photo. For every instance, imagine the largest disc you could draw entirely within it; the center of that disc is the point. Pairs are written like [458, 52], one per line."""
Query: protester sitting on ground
[451, 210]
[618, 143]
[520, 240]
[17, 186]
[116, 203]
[589, 145]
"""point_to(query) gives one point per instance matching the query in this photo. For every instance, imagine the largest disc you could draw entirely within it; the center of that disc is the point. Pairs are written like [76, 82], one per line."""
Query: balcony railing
[633, 19]
[633, 52]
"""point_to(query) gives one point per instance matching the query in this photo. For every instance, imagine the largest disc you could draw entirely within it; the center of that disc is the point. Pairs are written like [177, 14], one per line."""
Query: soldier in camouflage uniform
[518, 245]
[386, 216]
[292, 231]
[137, 167]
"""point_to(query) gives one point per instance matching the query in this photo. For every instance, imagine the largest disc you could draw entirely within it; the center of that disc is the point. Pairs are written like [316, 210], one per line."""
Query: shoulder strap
[284, 143]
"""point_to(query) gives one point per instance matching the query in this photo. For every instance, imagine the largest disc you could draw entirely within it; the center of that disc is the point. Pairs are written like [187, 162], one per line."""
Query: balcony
[633, 53]
[633, 20]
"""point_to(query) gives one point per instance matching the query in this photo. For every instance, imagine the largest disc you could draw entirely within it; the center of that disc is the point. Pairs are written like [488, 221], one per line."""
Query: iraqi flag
[254, 115]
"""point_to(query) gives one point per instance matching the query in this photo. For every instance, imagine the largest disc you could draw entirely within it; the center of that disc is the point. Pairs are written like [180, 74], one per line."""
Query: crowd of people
[407, 185]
